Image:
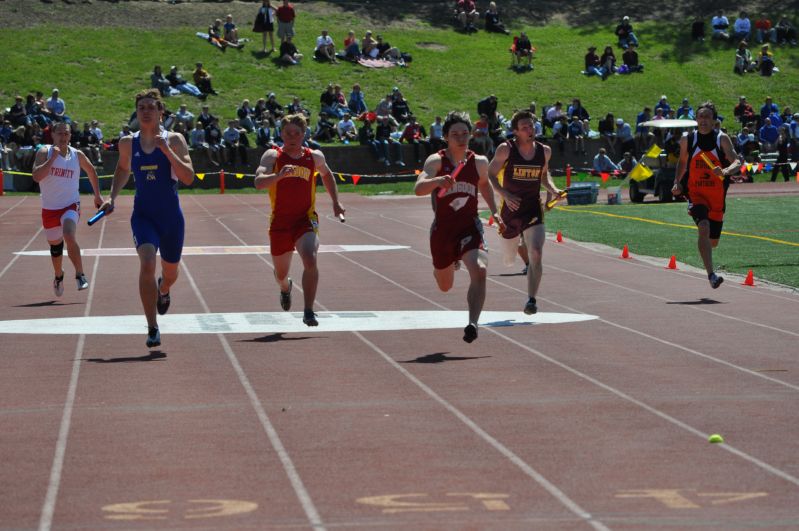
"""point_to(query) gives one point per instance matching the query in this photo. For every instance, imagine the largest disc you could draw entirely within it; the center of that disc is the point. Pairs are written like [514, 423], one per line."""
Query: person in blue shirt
[768, 136]
[603, 164]
[159, 160]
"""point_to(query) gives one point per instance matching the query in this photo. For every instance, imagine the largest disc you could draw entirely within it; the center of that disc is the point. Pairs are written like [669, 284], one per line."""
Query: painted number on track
[165, 509]
[425, 503]
[688, 498]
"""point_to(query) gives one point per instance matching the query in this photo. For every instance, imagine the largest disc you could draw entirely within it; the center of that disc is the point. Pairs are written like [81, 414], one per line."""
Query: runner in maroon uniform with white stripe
[518, 171]
[454, 175]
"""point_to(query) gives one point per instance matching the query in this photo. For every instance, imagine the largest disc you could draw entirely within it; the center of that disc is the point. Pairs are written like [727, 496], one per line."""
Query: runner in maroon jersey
[518, 170]
[454, 175]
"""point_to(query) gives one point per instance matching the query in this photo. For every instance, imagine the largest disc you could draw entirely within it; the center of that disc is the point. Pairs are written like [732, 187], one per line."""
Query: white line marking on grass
[48, 509]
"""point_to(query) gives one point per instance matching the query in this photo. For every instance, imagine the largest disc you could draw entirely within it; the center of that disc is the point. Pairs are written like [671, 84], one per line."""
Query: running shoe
[58, 285]
[309, 318]
[162, 303]
[153, 337]
[470, 332]
[285, 297]
[82, 282]
[530, 308]
[715, 280]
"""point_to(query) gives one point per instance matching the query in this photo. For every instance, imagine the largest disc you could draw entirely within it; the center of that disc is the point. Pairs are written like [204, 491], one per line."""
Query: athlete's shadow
[280, 336]
[519, 274]
[703, 300]
[45, 303]
[155, 355]
[441, 357]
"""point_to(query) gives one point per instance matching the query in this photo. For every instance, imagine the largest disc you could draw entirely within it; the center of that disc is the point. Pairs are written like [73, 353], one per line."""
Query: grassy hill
[100, 54]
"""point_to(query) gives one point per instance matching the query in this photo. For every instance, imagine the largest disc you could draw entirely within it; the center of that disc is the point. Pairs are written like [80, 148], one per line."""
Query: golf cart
[665, 165]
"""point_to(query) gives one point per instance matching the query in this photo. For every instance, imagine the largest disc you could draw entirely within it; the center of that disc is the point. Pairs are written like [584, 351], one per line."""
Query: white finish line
[229, 249]
[281, 322]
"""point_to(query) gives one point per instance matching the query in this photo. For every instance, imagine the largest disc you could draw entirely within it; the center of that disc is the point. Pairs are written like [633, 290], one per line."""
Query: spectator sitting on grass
[625, 135]
[400, 109]
[602, 163]
[743, 59]
[329, 102]
[383, 133]
[663, 105]
[325, 129]
[386, 51]
[232, 140]
[366, 137]
[768, 135]
[624, 31]
[765, 30]
[185, 116]
[356, 102]
[630, 61]
[351, 49]
[685, 111]
[607, 130]
[57, 108]
[493, 22]
[296, 107]
[698, 29]
[245, 115]
[325, 48]
[608, 60]
[786, 32]
[436, 137]
[272, 105]
[744, 112]
[414, 134]
[384, 107]
[369, 45]
[560, 131]
[576, 133]
[288, 52]
[765, 61]
[158, 81]
[176, 81]
[467, 14]
[90, 145]
[346, 129]
[592, 65]
[263, 135]
[720, 25]
[202, 79]
[576, 109]
[742, 28]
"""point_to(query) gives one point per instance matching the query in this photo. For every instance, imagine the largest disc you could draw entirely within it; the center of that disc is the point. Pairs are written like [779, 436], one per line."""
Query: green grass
[757, 233]
[101, 68]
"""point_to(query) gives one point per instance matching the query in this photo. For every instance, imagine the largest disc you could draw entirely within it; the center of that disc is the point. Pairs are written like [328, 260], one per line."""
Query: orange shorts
[283, 234]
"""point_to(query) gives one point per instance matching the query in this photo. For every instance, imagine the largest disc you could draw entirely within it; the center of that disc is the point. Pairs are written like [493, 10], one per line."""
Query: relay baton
[454, 176]
[554, 201]
[710, 163]
[341, 218]
[97, 217]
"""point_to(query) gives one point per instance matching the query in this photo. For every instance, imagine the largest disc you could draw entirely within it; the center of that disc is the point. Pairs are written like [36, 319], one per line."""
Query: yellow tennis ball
[715, 438]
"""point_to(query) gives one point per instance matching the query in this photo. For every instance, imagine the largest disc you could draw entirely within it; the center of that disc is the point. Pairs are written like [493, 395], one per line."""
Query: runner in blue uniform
[158, 160]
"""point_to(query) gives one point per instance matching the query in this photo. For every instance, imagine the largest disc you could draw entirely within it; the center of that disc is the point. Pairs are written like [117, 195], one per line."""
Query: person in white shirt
[346, 129]
[96, 131]
[325, 48]
[185, 116]
[57, 170]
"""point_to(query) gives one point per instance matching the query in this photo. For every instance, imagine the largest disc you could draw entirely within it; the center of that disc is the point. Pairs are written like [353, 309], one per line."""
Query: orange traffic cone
[625, 253]
[559, 237]
[672, 263]
[750, 279]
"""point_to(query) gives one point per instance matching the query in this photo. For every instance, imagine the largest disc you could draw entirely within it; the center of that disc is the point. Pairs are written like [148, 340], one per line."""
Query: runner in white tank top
[58, 178]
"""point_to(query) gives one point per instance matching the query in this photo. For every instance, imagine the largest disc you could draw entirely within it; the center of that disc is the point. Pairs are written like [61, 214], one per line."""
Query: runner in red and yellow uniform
[454, 176]
[707, 159]
[289, 173]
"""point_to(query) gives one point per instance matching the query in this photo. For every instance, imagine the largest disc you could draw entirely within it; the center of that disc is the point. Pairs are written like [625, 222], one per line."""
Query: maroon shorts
[284, 234]
[448, 244]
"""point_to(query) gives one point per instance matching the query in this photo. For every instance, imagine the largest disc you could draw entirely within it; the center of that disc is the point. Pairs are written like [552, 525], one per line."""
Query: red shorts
[284, 234]
[52, 218]
[448, 245]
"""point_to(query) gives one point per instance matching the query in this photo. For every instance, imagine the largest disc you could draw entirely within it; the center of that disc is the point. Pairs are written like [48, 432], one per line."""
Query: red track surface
[598, 424]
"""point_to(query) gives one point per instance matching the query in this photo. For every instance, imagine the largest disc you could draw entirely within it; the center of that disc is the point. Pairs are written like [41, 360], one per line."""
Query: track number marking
[425, 503]
[688, 498]
[189, 510]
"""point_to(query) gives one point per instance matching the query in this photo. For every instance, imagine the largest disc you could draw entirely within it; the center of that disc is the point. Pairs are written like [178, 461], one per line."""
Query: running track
[597, 424]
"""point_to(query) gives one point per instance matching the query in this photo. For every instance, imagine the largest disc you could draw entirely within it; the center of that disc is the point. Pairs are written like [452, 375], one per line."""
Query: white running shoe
[58, 285]
[82, 282]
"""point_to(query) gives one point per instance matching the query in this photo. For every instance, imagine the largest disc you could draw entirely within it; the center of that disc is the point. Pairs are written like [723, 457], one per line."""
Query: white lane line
[618, 325]
[311, 513]
[212, 250]
[735, 451]
[16, 256]
[13, 206]
[502, 449]
[46, 518]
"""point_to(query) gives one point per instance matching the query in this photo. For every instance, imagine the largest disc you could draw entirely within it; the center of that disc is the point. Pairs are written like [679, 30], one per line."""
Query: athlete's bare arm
[42, 163]
[264, 176]
[427, 180]
[497, 163]
[729, 152]
[330, 182]
[682, 164]
[121, 173]
[177, 152]
[88, 167]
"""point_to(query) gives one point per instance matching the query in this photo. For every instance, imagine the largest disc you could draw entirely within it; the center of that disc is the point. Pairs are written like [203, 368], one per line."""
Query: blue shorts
[164, 231]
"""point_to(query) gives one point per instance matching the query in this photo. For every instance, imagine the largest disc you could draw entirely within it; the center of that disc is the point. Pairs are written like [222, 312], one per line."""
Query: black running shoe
[470, 333]
[530, 308]
[153, 337]
[715, 280]
[162, 303]
[285, 297]
[309, 318]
